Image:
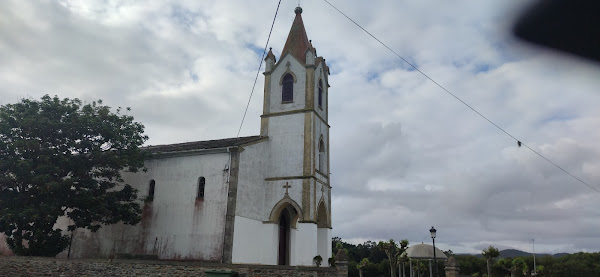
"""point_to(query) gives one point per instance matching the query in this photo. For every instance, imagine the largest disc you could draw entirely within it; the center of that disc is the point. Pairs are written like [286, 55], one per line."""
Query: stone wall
[37, 266]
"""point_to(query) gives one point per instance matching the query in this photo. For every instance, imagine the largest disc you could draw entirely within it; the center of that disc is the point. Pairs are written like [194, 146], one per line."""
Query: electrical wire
[258, 71]
[465, 103]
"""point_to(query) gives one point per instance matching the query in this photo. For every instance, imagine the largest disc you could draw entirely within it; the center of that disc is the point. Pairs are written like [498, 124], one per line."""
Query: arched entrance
[285, 214]
[283, 254]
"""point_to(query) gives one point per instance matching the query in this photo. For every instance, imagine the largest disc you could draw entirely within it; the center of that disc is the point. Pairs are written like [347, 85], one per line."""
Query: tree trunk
[360, 272]
[489, 269]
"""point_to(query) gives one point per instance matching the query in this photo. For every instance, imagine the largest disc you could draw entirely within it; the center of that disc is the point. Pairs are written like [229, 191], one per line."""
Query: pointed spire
[297, 41]
[270, 55]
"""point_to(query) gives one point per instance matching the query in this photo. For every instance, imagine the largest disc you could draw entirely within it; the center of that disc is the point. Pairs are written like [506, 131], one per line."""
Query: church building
[263, 199]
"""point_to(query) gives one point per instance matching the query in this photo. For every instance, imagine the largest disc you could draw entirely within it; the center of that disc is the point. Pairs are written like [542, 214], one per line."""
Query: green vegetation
[578, 264]
[490, 253]
[58, 158]
[393, 252]
[372, 261]
[318, 260]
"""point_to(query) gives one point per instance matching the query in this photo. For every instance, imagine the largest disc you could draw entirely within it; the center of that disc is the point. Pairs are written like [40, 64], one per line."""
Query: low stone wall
[36, 266]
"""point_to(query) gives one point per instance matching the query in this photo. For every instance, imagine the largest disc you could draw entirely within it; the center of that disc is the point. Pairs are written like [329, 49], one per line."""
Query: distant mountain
[512, 253]
[558, 255]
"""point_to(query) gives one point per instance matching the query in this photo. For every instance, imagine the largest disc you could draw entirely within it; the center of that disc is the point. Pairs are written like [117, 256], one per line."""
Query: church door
[284, 239]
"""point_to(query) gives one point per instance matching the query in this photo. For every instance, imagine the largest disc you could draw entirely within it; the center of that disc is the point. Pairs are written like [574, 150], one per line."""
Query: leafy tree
[516, 266]
[490, 253]
[421, 267]
[392, 250]
[364, 262]
[59, 157]
[352, 270]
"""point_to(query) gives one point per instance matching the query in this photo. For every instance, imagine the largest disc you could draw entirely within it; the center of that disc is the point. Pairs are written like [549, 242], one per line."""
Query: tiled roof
[200, 145]
[297, 42]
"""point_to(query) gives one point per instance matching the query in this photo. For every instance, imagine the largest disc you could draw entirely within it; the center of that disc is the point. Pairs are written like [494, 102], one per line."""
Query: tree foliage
[363, 263]
[578, 264]
[490, 253]
[516, 266]
[59, 157]
[393, 251]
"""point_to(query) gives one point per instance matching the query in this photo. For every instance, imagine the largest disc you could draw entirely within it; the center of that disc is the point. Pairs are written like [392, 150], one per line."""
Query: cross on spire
[286, 186]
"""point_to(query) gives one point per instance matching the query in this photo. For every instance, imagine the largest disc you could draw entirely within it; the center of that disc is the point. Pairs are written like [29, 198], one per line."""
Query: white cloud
[405, 154]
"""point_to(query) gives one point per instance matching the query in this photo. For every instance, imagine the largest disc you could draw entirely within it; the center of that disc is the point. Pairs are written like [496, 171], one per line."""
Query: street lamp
[432, 231]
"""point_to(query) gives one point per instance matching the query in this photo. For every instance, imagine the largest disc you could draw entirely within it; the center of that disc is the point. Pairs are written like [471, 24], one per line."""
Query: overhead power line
[259, 67]
[519, 142]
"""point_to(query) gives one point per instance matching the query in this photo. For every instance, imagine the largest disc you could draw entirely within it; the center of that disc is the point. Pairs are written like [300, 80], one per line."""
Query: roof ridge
[204, 144]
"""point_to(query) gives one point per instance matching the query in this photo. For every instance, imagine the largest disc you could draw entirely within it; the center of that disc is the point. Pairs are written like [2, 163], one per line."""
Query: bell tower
[295, 119]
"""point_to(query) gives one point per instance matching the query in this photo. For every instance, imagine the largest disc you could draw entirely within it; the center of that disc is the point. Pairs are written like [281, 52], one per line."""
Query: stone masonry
[37, 266]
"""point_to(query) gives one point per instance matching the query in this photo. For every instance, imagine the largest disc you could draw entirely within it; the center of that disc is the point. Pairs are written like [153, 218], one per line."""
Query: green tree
[364, 262]
[490, 253]
[516, 266]
[59, 157]
[470, 264]
[393, 250]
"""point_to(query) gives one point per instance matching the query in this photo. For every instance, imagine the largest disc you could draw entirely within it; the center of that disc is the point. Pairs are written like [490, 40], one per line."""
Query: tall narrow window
[151, 186]
[287, 90]
[321, 156]
[201, 184]
[320, 94]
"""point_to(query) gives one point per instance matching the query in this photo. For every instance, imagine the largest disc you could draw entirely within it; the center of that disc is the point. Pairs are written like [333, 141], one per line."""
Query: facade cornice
[293, 177]
[295, 112]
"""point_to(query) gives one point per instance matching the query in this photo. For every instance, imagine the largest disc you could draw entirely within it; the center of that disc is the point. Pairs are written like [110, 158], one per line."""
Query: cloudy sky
[405, 154]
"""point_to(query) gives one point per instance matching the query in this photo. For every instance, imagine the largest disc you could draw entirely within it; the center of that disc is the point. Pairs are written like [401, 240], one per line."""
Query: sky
[405, 155]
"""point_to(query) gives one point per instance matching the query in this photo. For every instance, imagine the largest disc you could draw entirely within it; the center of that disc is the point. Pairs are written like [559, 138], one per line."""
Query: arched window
[321, 156]
[320, 94]
[287, 89]
[201, 184]
[151, 186]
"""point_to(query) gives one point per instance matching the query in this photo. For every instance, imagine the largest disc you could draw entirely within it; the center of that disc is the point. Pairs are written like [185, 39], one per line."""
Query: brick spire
[297, 41]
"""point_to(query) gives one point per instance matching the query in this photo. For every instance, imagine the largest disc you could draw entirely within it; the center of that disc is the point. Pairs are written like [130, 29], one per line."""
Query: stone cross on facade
[286, 186]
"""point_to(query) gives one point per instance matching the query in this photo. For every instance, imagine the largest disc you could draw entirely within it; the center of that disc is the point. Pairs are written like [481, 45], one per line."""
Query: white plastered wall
[324, 243]
[254, 242]
[303, 241]
[175, 225]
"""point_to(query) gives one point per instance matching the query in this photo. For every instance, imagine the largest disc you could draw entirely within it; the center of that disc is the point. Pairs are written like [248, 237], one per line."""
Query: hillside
[511, 253]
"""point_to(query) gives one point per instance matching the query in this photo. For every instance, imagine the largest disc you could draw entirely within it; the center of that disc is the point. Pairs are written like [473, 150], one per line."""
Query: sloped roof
[425, 252]
[201, 145]
[297, 42]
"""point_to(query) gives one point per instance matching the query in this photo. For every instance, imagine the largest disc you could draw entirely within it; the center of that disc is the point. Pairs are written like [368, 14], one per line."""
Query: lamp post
[432, 231]
[534, 271]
